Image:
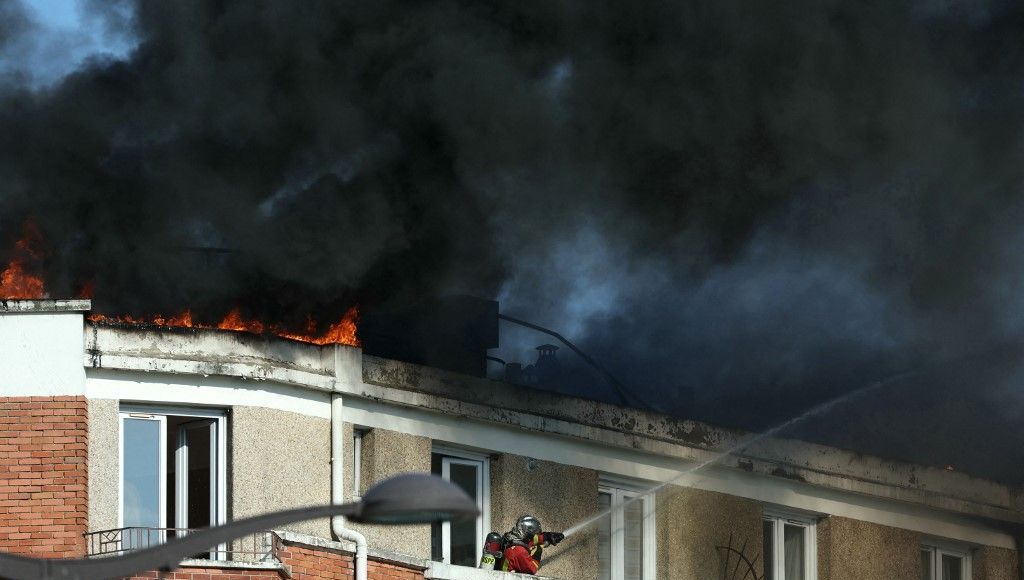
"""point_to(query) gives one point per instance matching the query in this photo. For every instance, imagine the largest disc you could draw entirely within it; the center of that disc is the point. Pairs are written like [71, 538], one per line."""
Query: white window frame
[160, 414]
[938, 548]
[161, 420]
[781, 518]
[451, 455]
[621, 491]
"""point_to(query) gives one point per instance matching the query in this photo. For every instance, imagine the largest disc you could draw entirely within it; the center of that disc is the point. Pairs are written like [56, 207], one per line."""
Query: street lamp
[411, 498]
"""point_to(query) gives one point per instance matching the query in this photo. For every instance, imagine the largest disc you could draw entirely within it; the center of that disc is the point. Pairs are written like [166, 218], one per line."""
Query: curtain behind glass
[793, 544]
[633, 555]
[768, 549]
[952, 567]
[604, 538]
[926, 565]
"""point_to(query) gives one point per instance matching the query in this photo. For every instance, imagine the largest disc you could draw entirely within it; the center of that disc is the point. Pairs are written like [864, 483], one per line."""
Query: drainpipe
[338, 486]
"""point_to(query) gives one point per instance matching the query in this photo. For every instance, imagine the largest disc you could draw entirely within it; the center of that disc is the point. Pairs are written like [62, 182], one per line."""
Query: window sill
[442, 571]
[231, 564]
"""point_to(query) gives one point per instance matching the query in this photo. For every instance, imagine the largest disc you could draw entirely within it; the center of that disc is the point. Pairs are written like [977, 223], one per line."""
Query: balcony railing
[257, 547]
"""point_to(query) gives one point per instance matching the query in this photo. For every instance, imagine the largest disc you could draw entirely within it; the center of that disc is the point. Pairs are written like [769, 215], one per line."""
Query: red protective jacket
[520, 558]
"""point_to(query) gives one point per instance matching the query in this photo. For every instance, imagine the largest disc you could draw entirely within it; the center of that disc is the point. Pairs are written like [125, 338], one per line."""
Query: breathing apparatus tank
[494, 551]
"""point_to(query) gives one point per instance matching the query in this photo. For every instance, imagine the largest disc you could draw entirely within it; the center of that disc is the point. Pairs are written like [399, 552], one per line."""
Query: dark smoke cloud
[742, 208]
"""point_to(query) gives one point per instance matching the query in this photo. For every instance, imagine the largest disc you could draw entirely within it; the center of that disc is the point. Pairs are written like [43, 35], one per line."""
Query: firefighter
[525, 544]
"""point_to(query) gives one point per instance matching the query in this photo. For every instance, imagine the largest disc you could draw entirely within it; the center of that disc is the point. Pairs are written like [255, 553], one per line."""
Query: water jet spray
[750, 440]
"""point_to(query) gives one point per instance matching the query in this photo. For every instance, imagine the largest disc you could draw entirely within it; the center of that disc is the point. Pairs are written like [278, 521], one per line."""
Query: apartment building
[118, 437]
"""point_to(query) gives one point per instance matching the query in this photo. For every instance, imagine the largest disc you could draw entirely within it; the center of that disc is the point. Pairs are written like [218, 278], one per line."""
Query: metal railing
[254, 547]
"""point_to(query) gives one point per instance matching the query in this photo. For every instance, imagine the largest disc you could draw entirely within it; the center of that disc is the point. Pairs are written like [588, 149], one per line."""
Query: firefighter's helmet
[528, 526]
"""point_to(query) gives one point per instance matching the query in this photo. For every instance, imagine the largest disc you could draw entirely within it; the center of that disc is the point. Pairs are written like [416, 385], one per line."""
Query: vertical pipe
[338, 486]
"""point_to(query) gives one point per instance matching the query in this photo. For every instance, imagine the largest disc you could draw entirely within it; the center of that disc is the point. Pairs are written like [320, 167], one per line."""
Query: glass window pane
[436, 551]
[464, 533]
[604, 538]
[926, 565]
[141, 480]
[952, 567]
[768, 549]
[633, 553]
[793, 545]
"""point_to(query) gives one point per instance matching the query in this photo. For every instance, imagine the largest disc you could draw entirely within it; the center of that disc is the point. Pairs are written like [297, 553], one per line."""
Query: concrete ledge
[442, 571]
[232, 565]
[349, 549]
[191, 351]
[45, 305]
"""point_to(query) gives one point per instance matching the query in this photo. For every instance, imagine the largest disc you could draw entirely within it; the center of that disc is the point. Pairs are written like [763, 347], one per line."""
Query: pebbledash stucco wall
[279, 460]
[387, 453]
[856, 550]
[692, 522]
[560, 496]
[994, 564]
[103, 464]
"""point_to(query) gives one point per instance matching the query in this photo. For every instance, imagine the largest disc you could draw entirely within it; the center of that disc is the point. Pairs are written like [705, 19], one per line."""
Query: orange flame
[15, 282]
[341, 332]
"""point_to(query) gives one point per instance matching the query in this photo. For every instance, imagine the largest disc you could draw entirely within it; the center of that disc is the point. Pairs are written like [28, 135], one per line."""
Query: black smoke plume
[742, 208]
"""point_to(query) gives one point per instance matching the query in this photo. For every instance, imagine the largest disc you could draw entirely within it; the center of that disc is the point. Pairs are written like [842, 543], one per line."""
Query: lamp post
[411, 498]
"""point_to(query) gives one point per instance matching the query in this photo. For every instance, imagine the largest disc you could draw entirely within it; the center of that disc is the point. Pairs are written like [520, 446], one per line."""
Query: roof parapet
[41, 306]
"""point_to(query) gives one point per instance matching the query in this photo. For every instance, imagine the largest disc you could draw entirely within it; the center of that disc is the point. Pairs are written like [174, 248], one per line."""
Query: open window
[790, 546]
[461, 542]
[626, 536]
[173, 473]
[945, 562]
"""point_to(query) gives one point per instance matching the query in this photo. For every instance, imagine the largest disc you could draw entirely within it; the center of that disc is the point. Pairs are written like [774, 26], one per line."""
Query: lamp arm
[164, 557]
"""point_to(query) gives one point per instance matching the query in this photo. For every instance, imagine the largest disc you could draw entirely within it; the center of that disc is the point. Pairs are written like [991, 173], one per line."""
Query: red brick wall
[43, 493]
[312, 563]
[210, 574]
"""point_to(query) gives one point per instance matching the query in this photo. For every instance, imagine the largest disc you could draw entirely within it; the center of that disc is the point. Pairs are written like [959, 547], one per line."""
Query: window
[626, 536]
[790, 550]
[172, 472]
[357, 463]
[461, 543]
[945, 563]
